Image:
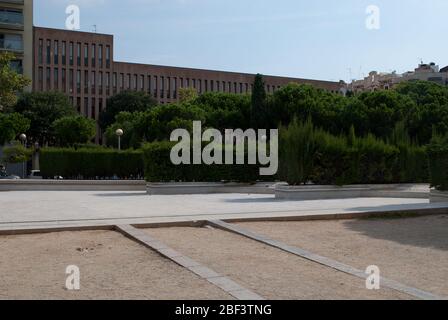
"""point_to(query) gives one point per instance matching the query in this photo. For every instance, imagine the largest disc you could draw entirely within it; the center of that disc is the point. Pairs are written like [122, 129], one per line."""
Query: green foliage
[129, 123]
[127, 101]
[43, 108]
[10, 81]
[91, 163]
[16, 153]
[438, 162]
[259, 116]
[224, 110]
[11, 125]
[309, 154]
[187, 94]
[73, 130]
[159, 168]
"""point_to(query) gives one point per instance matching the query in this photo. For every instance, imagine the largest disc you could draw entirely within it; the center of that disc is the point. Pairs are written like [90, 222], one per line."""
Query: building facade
[81, 65]
[16, 33]
[384, 81]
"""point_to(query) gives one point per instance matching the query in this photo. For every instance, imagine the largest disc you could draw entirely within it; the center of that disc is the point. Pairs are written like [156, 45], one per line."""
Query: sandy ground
[269, 272]
[112, 267]
[413, 251]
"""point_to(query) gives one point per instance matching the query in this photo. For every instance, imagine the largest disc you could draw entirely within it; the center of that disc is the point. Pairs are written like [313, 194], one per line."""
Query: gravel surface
[111, 266]
[413, 251]
[269, 272]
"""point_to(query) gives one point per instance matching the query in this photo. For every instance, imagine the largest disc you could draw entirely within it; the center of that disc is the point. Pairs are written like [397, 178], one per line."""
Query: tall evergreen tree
[258, 110]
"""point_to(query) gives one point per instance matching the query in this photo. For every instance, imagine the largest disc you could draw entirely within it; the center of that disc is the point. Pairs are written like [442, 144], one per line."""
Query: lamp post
[119, 134]
[23, 138]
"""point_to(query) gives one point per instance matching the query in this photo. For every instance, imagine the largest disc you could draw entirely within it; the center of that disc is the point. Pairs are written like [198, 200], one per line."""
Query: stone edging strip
[417, 293]
[222, 282]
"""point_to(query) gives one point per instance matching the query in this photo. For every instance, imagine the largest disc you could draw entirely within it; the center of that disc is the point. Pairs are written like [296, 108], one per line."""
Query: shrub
[438, 162]
[159, 168]
[91, 163]
[309, 154]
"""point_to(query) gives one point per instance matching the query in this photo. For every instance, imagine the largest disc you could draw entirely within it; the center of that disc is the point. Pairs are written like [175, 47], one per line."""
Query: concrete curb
[72, 185]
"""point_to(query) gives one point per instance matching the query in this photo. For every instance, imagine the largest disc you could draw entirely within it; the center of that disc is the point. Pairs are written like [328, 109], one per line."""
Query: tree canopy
[42, 109]
[127, 101]
[10, 82]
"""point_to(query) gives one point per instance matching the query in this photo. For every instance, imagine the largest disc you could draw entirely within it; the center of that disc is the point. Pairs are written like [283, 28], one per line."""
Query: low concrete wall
[438, 196]
[418, 191]
[208, 188]
[72, 185]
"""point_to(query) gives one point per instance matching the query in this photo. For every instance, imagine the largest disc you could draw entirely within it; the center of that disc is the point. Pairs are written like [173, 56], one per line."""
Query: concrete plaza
[74, 208]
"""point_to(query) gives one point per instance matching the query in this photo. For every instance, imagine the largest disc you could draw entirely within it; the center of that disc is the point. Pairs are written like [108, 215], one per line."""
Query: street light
[119, 134]
[23, 138]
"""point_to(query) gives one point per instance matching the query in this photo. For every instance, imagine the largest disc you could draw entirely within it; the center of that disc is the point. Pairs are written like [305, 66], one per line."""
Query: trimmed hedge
[91, 163]
[438, 163]
[159, 168]
[310, 155]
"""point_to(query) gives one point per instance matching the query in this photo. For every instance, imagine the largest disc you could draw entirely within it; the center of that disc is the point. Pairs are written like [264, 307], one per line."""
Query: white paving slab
[104, 208]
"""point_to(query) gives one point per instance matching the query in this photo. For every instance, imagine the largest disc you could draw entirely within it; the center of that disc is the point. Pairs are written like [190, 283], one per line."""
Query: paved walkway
[75, 208]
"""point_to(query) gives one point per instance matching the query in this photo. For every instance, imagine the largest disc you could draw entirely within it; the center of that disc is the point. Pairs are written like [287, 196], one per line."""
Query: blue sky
[317, 39]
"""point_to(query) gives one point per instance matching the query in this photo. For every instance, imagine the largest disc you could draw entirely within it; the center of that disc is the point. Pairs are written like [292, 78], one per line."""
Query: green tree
[187, 94]
[43, 108]
[11, 125]
[10, 81]
[258, 110]
[128, 101]
[72, 130]
[16, 153]
[128, 122]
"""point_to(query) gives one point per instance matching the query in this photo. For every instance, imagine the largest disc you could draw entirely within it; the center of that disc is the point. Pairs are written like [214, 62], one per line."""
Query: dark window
[48, 79]
[64, 52]
[86, 82]
[86, 55]
[86, 106]
[48, 51]
[78, 81]
[41, 51]
[93, 55]
[56, 52]
[108, 57]
[93, 109]
[78, 54]
[40, 78]
[71, 53]
[64, 80]
[93, 82]
[70, 81]
[100, 55]
[100, 82]
[56, 78]
[78, 104]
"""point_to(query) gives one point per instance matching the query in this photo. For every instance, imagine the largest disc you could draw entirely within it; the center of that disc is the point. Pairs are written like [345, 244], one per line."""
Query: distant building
[16, 33]
[384, 81]
[375, 81]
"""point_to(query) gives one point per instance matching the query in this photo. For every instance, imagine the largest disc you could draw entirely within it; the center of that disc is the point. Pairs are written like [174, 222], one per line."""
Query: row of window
[92, 82]
[89, 55]
[87, 106]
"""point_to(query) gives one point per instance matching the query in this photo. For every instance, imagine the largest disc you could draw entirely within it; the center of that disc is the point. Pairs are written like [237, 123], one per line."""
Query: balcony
[11, 19]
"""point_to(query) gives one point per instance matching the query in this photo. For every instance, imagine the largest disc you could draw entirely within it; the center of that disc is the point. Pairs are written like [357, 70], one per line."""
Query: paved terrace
[47, 209]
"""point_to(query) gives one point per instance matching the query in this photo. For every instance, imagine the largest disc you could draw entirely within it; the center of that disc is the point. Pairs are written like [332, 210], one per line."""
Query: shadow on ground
[425, 232]
[121, 194]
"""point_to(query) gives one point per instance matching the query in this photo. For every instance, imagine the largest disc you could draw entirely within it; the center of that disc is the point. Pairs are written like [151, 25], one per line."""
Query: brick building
[82, 65]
